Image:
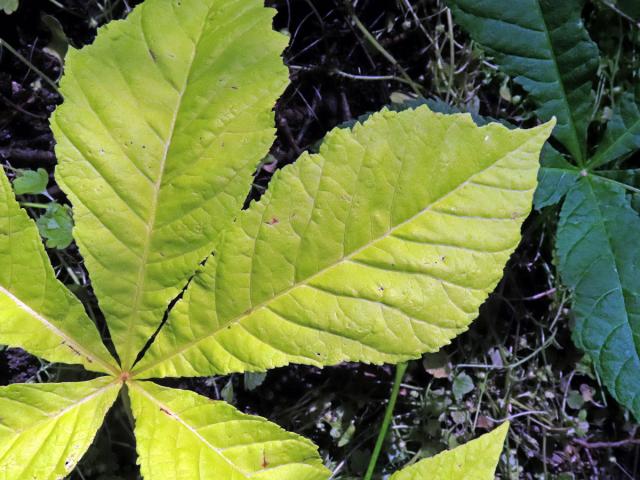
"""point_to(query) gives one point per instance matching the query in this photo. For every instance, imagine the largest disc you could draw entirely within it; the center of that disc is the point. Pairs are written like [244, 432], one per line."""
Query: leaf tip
[549, 125]
[501, 431]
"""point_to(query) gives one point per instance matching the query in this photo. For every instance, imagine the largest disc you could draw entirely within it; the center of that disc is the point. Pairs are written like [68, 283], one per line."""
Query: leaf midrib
[67, 338]
[344, 258]
[565, 98]
[164, 407]
[128, 355]
[99, 391]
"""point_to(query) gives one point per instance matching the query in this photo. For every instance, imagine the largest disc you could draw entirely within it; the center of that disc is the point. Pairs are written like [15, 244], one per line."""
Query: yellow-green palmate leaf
[46, 428]
[37, 312]
[379, 248]
[475, 460]
[164, 119]
[184, 435]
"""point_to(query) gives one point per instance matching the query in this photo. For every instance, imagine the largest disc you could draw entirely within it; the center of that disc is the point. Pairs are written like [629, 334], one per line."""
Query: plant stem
[30, 65]
[372, 40]
[388, 416]
[42, 206]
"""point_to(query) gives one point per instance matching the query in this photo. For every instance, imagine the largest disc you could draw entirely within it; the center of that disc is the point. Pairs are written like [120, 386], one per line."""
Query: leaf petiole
[41, 206]
[388, 415]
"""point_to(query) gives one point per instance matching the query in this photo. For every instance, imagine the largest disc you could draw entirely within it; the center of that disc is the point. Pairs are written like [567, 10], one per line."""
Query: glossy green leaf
[164, 119]
[622, 135]
[379, 248]
[555, 179]
[37, 312]
[56, 226]
[542, 44]
[600, 261]
[183, 435]
[475, 460]
[46, 428]
[31, 181]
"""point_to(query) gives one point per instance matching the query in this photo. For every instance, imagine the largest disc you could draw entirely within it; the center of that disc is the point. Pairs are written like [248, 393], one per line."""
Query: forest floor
[517, 362]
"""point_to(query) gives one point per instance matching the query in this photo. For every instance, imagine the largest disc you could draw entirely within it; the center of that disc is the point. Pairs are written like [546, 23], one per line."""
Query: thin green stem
[383, 51]
[41, 206]
[30, 65]
[388, 416]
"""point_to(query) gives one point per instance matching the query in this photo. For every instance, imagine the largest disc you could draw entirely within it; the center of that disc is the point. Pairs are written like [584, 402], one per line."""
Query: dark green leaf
[545, 47]
[55, 226]
[630, 177]
[599, 260]
[31, 181]
[555, 178]
[623, 133]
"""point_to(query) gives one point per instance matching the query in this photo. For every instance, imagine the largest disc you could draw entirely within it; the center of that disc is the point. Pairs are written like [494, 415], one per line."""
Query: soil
[519, 354]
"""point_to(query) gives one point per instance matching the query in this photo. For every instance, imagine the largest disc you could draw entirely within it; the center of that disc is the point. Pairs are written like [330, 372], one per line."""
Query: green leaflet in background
[622, 136]
[542, 44]
[349, 257]
[46, 428]
[31, 181]
[37, 312]
[56, 226]
[165, 117]
[555, 179]
[183, 435]
[599, 260]
[475, 460]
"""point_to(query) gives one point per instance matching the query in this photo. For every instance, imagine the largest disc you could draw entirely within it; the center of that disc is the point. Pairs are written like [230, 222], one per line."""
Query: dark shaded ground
[518, 356]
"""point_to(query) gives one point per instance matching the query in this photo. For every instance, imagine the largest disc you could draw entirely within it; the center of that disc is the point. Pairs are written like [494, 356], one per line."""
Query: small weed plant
[545, 47]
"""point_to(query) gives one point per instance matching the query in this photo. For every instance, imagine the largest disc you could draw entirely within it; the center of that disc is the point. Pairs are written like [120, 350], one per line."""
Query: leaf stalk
[388, 416]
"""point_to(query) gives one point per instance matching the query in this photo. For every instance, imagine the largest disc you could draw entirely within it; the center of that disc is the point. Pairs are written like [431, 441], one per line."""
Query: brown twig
[617, 444]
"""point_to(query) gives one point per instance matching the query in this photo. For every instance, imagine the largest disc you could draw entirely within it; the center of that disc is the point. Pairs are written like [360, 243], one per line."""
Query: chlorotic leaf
[555, 178]
[475, 460]
[622, 135]
[165, 117]
[381, 247]
[601, 264]
[56, 226]
[183, 435]
[37, 312]
[31, 181]
[46, 428]
[542, 44]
